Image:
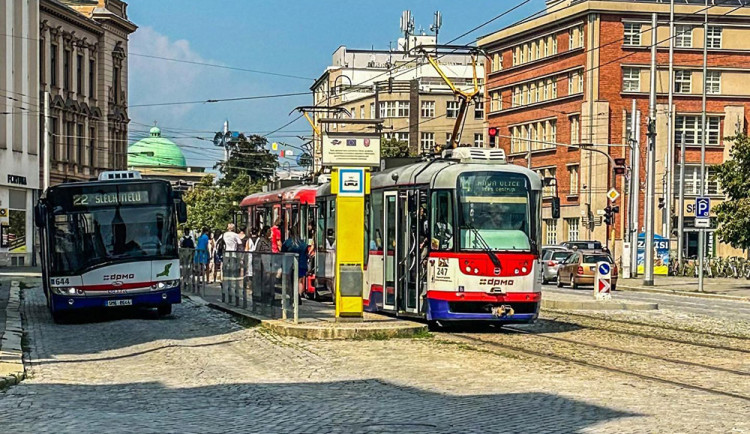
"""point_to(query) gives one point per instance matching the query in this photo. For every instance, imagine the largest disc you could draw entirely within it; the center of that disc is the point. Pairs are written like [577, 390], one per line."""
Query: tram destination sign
[351, 149]
[89, 200]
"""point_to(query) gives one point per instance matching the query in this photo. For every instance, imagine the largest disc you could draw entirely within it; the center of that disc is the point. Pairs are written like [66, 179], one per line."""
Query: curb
[548, 304]
[11, 350]
[311, 332]
[622, 287]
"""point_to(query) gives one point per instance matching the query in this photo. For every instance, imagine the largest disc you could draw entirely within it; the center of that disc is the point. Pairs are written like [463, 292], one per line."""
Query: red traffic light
[619, 161]
[493, 132]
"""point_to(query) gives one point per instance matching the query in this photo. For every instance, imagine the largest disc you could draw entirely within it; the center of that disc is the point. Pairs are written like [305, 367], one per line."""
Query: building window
[552, 133]
[400, 137]
[479, 140]
[580, 36]
[393, 109]
[693, 181]
[522, 56]
[79, 144]
[572, 38]
[537, 49]
[714, 37]
[451, 109]
[497, 62]
[553, 94]
[683, 36]
[116, 84]
[713, 82]
[575, 125]
[428, 109]
[55, 138]
[66, 70]
[580, 81]
[571, 79]
[547, 190]
[515, 97]
[427, 140]
[497, 102]
[573, 177]
[682, 81]
[632, 34]
[92, 147]
[631, 80]
[92, 78]
[403, 109]
[551, 232]
[70, 132]
[79, 74]
[479, 110]
[537, 91]
[361, 112]
[515, 58]
[689, 128]
[353, 112]
[546, 46]
[42, 64]
[372, 110]
[545, 85]
[554, 44]
[572, 225]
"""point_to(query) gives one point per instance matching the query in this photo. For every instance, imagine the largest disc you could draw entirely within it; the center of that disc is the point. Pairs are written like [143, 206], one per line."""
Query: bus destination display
[111, 199]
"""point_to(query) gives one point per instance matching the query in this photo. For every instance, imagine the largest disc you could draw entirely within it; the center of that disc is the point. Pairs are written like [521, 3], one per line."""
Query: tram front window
[496, 209]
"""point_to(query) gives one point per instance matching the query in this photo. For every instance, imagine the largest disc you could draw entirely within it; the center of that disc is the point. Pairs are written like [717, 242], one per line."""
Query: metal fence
[265, 283]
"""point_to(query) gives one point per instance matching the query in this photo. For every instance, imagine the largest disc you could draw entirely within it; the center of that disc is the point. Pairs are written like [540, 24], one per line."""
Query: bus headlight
[166, 284]
[66, 291]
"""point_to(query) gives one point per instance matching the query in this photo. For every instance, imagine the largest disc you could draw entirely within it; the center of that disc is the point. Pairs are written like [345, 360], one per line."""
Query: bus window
[442, 220]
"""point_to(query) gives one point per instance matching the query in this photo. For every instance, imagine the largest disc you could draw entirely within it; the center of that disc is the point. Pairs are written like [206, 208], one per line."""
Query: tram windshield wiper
[483, 243]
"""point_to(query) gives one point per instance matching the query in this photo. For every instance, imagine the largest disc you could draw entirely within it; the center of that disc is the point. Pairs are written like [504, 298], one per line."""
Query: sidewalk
[11, 333]
[729, 289]
[20, 272]
[317, 320]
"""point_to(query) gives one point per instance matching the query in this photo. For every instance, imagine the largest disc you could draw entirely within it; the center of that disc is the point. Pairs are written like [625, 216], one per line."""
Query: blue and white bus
[109, 243]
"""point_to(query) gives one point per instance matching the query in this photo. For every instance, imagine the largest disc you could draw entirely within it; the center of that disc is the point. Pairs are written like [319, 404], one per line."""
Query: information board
[351, 149]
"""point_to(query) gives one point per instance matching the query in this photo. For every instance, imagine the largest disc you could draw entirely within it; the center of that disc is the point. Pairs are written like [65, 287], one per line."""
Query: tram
[295, 207]
[454, 239]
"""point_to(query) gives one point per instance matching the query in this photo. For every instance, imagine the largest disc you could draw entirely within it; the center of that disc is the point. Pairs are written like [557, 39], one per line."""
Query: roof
[155, 151]
[305, 194]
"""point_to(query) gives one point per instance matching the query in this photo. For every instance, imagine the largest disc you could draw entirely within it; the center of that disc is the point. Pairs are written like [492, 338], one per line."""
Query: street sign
[604, 268]
[703, 222]
[351, 182]
[612, 194]
[702, 207]
[602, 281]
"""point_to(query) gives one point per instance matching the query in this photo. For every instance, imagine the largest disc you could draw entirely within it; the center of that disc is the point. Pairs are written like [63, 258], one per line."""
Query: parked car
[582, 245]
[580, 268]
[551, 259]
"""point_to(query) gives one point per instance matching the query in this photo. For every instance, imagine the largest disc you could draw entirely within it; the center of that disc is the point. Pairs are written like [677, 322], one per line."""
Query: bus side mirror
[181, 211]
[39, 211]
[555, 207]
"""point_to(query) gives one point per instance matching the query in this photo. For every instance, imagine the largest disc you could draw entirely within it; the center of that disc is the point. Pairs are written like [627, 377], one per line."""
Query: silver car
[551, 260]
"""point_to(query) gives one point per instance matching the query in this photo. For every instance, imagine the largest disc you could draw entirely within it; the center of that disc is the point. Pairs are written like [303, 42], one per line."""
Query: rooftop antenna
[407, 27]
[437, 23]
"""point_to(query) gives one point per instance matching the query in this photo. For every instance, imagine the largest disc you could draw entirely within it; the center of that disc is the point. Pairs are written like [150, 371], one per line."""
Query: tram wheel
[164, 309]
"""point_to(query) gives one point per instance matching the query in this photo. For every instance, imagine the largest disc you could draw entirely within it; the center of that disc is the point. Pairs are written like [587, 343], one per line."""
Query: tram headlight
[524, 269]
[516, 271]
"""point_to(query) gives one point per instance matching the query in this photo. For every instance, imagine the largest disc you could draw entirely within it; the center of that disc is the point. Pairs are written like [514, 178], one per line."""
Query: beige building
[405, 91]
[19, 131]
[84, 67]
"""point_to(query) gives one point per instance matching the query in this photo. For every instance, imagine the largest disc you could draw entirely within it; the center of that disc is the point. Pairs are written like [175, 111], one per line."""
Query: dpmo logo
[119, 276]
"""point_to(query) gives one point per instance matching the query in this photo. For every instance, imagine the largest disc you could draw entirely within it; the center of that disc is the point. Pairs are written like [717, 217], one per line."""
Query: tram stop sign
[603, 281]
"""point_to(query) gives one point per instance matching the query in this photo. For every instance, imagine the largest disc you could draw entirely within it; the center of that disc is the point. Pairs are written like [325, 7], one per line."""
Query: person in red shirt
[276, 236]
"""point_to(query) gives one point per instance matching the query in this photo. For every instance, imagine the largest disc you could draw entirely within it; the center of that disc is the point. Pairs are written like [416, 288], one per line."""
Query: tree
[248, 158]
[393, 148]
[733, 215]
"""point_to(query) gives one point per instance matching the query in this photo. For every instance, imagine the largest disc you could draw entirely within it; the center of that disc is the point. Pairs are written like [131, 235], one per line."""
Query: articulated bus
[110, 242]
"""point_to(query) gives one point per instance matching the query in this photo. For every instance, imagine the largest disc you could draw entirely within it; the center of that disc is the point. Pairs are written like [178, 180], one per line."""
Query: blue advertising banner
[661, 254]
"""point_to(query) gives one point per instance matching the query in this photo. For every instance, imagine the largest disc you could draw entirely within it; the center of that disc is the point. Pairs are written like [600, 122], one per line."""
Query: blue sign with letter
[604, 269]
[702, 206]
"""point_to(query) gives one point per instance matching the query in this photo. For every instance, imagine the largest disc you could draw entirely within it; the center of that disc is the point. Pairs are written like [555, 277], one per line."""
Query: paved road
[693, 305]
[200, 371]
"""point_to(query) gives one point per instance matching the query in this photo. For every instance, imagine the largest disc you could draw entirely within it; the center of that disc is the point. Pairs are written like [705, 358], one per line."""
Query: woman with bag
[294, 244]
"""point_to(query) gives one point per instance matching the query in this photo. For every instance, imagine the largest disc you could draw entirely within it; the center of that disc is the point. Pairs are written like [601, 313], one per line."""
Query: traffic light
[619, 166]
[555, 207]
[609, 214]
[493, 132]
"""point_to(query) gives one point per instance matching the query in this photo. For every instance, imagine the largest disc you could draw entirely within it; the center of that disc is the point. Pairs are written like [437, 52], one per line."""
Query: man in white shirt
[232, 240]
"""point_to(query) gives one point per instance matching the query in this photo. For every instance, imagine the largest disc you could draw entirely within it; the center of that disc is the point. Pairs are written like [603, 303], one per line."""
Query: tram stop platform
[560, 299]
[317, 320]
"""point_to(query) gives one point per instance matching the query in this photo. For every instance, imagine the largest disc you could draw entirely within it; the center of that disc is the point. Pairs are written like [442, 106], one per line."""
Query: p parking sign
[702, 207]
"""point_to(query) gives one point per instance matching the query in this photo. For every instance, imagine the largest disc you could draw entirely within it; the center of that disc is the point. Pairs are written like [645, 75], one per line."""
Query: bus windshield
[495, 209]
[86, 235]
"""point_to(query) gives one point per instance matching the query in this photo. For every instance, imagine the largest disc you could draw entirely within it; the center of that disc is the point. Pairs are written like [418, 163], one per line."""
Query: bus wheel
[165, 309]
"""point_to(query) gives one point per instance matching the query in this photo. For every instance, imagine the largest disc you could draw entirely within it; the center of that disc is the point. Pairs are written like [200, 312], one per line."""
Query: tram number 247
[59, 281]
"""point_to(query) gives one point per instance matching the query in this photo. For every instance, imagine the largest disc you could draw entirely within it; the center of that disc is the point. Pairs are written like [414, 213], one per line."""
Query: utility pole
[226, 148]
[681, 210]
[635, 186]
[704, 190]
[669, 195]
[648, 269]
[46, 141]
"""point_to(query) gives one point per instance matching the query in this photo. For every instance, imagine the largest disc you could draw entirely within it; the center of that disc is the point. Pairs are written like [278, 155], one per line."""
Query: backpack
[187, 242]
[221, 245]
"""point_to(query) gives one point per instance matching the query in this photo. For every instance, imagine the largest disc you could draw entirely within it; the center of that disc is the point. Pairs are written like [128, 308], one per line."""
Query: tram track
[579, 347]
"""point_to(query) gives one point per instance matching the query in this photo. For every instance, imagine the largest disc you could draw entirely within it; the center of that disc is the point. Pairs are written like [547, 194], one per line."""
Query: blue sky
[287, 37]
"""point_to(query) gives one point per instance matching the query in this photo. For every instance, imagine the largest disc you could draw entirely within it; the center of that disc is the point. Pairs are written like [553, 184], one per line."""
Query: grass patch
[245, 322]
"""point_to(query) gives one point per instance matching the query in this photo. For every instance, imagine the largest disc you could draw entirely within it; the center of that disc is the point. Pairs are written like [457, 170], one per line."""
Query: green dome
[155, 150]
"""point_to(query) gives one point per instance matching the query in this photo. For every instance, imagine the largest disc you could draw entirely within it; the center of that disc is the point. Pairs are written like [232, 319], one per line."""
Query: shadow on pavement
[361, 406]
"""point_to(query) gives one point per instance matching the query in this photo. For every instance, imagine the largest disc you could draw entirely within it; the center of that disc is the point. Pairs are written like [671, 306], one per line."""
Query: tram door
[389, 250]
[407, 251]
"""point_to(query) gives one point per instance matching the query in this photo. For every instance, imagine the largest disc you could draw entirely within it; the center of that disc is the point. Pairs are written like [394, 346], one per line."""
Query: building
[19, 129]
[83, 64]
[405, 91]
[157, 157]
[569, 76]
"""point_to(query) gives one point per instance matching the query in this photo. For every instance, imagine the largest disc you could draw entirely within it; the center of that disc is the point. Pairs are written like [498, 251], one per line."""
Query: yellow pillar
[350, 185]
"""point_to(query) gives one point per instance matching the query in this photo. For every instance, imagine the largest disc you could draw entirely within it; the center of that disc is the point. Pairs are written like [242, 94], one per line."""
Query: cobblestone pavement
[201, 371]
[4, 294]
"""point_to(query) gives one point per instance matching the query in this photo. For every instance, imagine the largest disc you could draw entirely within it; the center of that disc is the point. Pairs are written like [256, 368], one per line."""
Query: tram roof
[304, 194]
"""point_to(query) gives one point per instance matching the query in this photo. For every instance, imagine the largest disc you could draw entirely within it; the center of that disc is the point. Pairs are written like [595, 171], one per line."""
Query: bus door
[389, 250]
[408, 252]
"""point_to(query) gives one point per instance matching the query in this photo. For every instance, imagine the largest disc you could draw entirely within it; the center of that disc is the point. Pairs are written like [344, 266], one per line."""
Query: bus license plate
[126, 302]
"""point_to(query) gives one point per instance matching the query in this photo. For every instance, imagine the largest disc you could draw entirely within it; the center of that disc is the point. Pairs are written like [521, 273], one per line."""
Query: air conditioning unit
[119, 175]
[476, 155]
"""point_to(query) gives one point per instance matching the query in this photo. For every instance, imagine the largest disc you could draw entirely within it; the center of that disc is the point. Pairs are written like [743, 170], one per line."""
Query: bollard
[295, 279]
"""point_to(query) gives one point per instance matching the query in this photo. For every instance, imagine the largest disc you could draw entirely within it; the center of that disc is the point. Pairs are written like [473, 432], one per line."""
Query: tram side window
[321, 231]
[376, 221]
[442, 220]
[331, 225]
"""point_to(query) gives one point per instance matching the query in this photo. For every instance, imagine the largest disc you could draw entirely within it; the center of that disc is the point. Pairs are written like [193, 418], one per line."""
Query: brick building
[569, 76]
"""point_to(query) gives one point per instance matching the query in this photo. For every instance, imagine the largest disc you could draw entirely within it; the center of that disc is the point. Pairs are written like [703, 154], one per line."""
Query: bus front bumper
[149, 299]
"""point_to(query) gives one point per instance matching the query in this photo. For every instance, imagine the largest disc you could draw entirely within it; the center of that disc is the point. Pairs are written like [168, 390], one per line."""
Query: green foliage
[213, 203]
[393, 148]
[733, 215]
